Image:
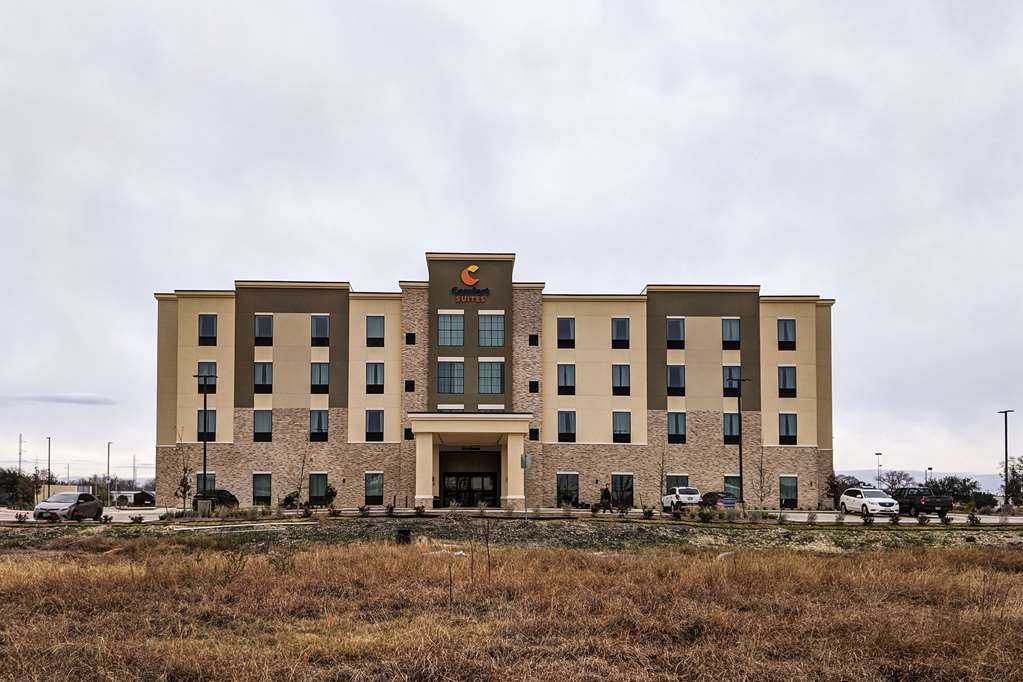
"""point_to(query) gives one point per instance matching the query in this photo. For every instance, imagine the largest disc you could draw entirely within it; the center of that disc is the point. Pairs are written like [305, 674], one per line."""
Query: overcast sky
[870, 152]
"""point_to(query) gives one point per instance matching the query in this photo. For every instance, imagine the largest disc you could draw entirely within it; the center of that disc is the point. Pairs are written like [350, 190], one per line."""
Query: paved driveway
[119, 515]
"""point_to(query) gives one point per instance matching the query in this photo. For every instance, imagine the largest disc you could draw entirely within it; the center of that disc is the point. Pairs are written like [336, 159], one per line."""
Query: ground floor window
[675, 481]
[261, 489]
[205, 485]
[568, 489]
[621, 490]
[732, 485]
[317, 489]
[787, 491]
[374, 488]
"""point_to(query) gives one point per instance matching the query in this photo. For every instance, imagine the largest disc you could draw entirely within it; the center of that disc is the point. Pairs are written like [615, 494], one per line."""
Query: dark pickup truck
[915, 501]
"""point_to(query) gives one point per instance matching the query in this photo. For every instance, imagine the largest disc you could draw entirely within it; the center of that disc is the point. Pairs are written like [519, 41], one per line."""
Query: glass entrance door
[469, 490]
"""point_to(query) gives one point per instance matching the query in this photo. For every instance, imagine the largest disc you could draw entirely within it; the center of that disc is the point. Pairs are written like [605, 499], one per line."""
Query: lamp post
[738, 396]
[878, 455]
[47, 466]
[928, 475]
[205, 379]
[109, 443]
[1005, 488]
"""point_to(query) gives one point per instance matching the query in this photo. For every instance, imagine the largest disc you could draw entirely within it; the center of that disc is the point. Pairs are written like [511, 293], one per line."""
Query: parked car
[867, 501]
[678, 497]
[218, 498]
[915, 501]
[68, 507]
[722, 500]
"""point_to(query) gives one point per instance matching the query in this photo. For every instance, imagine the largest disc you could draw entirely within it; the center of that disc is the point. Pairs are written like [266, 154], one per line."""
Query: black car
[218, 498]
[719, 499]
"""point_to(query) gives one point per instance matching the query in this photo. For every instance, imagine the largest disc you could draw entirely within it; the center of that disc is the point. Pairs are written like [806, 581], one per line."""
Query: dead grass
[205, 611]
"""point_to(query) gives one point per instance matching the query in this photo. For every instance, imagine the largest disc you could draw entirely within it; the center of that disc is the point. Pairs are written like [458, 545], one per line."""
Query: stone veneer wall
[289, 458]
[414, 366]
[527, 365]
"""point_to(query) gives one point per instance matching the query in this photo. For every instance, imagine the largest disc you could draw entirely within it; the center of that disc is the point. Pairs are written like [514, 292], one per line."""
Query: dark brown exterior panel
[661, 304]
[495, 276]
[250, 300]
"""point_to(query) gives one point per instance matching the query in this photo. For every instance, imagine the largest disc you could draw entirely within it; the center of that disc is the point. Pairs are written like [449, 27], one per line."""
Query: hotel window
[534, 434]
[620, 380]
[205, 484]
[374, 488]
[317, 425]
[786, 334]
[374, 377]
[374, 331]
[568, 489]
[534, 339]
[207, 330]
[621, 490]
[786, 382]
[730, 333]
[262, 426]
[491, 329]
[261, 490]
[732, 485]
[410, 385]
[450, 329]
[374, 425]
[450, 377]
[731, 423]
[566, 379]
[410, 338]
[317, 489]
[788, 492]
[264, 377]
[786, 429]
[264, 330]
[566, 426]
[320, 330]
[675, 481]
[534, 386]
[619, 332]
[676, 380]
[566, 332]
[676, 333]
[408, 434]
[731, 376]
[207, 378]
[621, 427]
[676, 427]
[491, 379]
[319, 377]
[206, 425]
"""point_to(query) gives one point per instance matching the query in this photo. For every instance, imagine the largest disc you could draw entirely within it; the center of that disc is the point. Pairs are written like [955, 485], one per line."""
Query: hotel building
[472, 387]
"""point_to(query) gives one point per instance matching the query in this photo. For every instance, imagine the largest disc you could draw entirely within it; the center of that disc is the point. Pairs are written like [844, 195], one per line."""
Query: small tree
[761, 484]
[895, 479]
[184, 488]
[1013, 488]
[959, 488]
[836, 485]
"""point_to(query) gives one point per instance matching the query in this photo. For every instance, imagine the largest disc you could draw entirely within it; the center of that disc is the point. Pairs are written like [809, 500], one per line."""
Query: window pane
[374, 485]
[491, 330]
[264, 326]
[261, 488]
[321, 326]
[211, 421]
[787, 330]
[676, 376]
[566, 421]
[620, 375]
[450, 377]
[787, 424]
[676, 423]
[566, 375]
[205, 484]
[374, 373]
[730, 330]
[374, 326]
[731, 424]
[264, 373]
[732, 485]
[621, 489]
[207, 325]
[731, 375]
[787, 487]
[676, 330]
[320, 374]
[786, 377]
[317, 421]
[566, 328]
[620, 328]
[262, 421]
[317, 485]
[491, 378]
[374, 421]
[676, 481]
[568, 489]
[621, 422]
[207, 373]
[450, 330]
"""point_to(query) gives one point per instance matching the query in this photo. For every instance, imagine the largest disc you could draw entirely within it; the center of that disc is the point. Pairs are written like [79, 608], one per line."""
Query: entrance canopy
[497, 431]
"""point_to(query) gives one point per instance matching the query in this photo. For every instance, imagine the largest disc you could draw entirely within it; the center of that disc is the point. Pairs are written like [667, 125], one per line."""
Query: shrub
[333, 511]
[730, 515]
[648, 512]
[307, 510]
[20, 517]
[894, 519]
[705, 514]
[421, 510]
[135, 518]
[811, 518]
[840, 516]
[868, 519]
[782, 518]
[623, 510]
[986, 510]
[946, 520]
[756, 516]
[329, 494]
[676, 514]
[594, 508]
[282, 559]
[923, 520]
[290, 500]
[363, 510]
[972, 518]
[389, 509]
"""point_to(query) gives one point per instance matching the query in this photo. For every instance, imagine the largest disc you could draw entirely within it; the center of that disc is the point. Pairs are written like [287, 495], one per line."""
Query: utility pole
[19, 454]
[133, 472]
[1005, 488]
[878, 455]
[48, 474]
[109, 443]
[69, 473]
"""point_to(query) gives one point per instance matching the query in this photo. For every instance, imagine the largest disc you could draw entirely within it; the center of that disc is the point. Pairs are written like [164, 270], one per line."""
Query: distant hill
[992, 483]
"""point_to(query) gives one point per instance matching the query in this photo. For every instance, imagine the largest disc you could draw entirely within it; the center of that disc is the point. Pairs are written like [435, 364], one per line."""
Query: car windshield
[63, 497]
[923, 491]
[874, 493]
[687, 491]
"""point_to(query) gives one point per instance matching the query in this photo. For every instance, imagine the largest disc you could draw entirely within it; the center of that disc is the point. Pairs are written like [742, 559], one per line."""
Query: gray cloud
[873, 156]
[63, 398]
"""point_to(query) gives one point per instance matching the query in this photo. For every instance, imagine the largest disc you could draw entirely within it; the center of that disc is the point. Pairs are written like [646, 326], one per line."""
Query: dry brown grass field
[204, 609]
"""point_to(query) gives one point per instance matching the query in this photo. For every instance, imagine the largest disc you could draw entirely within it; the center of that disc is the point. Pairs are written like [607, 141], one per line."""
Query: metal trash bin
[403, 536]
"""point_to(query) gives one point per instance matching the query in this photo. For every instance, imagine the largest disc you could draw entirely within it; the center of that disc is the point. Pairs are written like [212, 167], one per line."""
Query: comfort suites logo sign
[470, 293]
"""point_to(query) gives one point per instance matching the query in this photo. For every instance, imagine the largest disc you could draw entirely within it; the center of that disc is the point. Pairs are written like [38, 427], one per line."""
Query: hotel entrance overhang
[470, 458]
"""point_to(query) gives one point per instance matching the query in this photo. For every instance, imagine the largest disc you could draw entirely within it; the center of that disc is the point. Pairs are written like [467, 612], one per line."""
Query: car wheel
[913, 510]
[844, 509]
[98, 516]
[864, 511]
[942, 514]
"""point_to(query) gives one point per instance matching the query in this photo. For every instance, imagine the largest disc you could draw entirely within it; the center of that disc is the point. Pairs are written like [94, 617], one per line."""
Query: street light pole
[878, 455]
[205, 378]
[109, 443]
[1005, 488]
[47, 466]
[738, 396]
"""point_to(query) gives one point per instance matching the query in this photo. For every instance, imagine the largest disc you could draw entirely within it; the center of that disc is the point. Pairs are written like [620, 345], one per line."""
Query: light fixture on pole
[929, 474]
[1005, 487]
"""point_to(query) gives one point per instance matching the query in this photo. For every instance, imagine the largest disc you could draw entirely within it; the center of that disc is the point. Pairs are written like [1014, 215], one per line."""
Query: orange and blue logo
[467, 278]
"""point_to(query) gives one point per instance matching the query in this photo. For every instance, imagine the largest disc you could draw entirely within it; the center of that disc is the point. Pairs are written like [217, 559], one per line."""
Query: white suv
[678, 497]
[867, 501]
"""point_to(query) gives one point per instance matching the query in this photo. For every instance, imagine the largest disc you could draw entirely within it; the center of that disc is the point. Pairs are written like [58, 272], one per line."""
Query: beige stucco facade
[389, 307]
